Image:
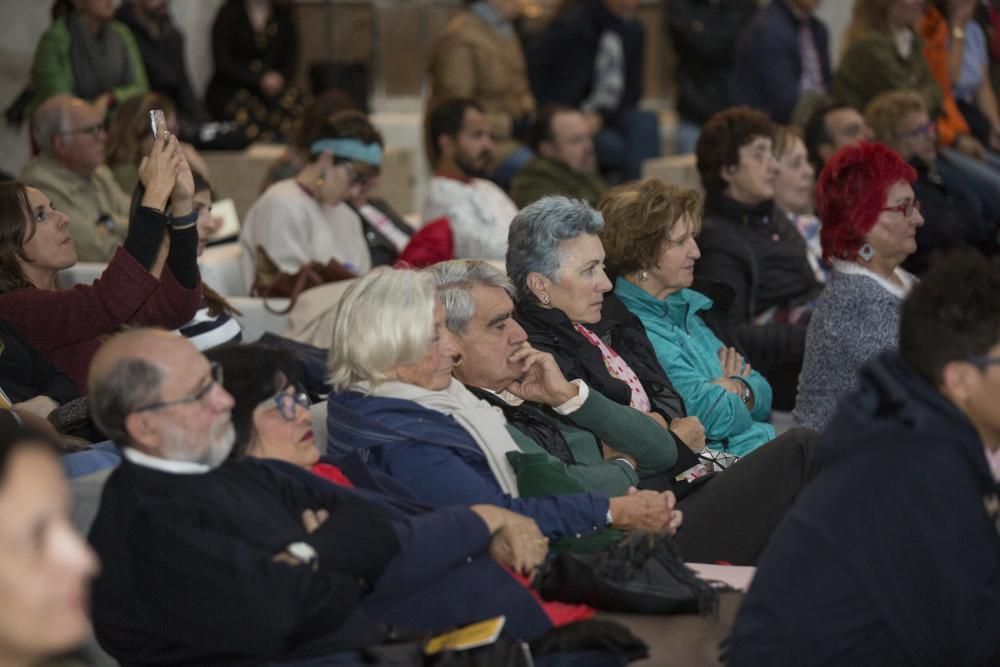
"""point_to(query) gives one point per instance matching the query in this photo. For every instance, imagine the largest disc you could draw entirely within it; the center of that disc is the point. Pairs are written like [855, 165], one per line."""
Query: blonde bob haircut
[384, 320]
[639, 218]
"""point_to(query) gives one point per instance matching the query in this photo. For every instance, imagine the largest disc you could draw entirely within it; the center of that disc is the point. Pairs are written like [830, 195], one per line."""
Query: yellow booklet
[471, 636]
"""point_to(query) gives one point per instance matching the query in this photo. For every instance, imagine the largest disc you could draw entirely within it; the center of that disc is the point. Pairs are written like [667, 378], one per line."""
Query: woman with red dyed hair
[870, 218]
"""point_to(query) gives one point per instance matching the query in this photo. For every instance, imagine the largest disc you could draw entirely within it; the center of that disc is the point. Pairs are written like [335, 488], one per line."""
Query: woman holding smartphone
[152, 280]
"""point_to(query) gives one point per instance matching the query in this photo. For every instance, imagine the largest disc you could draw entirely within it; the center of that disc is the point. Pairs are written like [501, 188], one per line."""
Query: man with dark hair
[830, 128]
[566, 164]
[757, 252]
[891, 555]
[222, 562]
[460, 148]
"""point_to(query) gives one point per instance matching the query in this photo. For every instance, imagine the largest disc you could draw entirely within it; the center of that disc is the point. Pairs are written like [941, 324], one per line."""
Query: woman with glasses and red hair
[870, 219]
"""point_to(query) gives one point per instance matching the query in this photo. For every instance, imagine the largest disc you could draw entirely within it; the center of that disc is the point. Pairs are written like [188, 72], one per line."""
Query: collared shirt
[164, 465]
[96, 206]
[565, 409]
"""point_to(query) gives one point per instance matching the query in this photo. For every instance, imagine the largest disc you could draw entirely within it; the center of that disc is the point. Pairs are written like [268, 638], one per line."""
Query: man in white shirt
[461, 149]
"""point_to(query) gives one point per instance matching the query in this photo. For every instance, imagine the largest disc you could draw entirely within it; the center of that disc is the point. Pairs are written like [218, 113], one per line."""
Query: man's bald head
[154, 391]
[71, 130]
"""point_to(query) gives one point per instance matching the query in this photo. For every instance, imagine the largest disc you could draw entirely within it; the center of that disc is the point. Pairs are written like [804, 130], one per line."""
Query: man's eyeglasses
[286, 402]
[984, 361]
[906, 208]
[92, 130]
[214, 378]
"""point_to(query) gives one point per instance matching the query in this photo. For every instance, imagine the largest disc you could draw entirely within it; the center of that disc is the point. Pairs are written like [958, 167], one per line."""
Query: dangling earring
[320, 180]
[545, 299]
[643, 275]
[866, 252]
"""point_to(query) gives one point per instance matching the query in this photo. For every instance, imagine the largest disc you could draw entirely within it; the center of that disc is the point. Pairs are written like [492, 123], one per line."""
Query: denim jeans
[624, 143]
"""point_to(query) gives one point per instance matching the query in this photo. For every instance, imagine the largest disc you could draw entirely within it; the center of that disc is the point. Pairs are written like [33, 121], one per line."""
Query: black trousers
[731, 517]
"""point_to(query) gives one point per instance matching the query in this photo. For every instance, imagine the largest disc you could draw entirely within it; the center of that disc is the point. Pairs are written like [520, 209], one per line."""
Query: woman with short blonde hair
[384, 320]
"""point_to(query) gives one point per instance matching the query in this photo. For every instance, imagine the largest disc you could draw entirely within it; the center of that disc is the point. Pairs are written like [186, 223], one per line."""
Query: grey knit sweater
[855, 318]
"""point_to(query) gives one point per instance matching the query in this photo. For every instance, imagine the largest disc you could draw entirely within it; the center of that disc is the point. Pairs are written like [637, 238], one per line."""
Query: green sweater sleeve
[51, 70]
[140, 84]
[612, 478]
[628, 431]
[872, 65]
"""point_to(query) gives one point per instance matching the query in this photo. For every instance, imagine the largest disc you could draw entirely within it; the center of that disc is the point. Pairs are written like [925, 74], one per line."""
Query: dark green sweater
[543, 176]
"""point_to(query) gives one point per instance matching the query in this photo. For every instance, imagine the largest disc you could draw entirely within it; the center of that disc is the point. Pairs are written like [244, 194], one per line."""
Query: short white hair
[384, 320]
[52, 117]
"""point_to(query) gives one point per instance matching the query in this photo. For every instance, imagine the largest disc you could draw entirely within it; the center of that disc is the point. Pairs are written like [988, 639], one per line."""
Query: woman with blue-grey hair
[556, 261]
[565, 304]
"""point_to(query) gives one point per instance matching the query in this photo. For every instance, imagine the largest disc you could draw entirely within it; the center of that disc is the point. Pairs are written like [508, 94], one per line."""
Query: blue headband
[352, 149]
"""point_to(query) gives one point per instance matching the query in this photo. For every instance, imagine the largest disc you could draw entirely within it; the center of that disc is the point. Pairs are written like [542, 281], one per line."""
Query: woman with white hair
[391, 363]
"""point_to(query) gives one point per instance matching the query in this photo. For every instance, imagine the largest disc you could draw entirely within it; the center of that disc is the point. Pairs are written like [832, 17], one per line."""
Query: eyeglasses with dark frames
[286, 402]
[906, 208]
[214, 378]
[984, 361]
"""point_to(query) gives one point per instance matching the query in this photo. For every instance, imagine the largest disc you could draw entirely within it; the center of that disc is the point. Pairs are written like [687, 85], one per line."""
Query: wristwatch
[745, 393]
[304, 552]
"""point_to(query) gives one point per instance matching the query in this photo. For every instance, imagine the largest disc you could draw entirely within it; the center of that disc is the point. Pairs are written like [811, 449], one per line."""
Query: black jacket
[759, 254]
[550, 330]
[891, 556]
[704, 34]
[561, 59]
[951, 219]
[25, 372]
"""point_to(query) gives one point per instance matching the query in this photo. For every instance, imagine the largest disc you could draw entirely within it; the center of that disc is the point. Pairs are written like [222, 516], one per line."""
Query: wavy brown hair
[16, 228]
[639, 218]
[130, 126]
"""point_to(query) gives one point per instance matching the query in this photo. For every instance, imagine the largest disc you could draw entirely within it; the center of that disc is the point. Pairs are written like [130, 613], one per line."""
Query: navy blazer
[769, 63]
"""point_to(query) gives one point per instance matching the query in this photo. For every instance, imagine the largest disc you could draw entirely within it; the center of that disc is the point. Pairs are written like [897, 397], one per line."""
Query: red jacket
[68, 326]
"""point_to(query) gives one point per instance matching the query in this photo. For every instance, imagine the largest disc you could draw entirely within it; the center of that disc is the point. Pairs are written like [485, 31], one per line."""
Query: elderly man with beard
[461, 150]
[249, 561]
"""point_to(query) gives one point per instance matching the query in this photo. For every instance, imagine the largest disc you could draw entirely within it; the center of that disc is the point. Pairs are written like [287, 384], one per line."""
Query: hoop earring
[866, 252]
[643, 275]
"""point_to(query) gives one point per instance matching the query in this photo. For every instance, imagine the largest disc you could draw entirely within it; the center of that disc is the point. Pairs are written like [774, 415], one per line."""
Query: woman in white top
[294, 221]
[870, 218]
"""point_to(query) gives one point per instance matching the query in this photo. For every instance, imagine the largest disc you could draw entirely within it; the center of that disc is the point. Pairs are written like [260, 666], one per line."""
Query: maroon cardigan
[68, 326]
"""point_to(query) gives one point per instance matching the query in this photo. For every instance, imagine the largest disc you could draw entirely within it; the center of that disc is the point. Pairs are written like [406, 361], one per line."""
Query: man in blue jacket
[892, 555]
[784, 54]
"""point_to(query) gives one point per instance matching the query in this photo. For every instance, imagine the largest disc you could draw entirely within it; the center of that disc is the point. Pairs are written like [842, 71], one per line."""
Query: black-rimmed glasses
[214, 378]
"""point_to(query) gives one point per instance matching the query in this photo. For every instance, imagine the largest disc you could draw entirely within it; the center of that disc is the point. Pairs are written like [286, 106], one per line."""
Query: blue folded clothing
[103, 456]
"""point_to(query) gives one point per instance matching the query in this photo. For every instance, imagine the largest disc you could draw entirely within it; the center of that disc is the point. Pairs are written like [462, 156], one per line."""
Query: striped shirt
[206, 331]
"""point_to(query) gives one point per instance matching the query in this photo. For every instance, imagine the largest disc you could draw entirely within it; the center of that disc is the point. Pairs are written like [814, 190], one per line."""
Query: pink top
[619, 369]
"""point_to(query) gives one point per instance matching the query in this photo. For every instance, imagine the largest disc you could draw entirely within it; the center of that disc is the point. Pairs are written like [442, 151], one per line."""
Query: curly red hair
[851, 193]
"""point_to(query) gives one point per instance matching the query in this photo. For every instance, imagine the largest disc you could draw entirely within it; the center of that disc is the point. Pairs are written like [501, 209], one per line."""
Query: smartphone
[158, 122]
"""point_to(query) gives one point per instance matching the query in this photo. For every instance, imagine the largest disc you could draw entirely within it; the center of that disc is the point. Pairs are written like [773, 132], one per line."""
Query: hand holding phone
[158, 122]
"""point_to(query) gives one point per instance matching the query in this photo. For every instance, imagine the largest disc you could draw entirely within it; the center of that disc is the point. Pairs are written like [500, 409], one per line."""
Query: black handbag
[642, 573]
